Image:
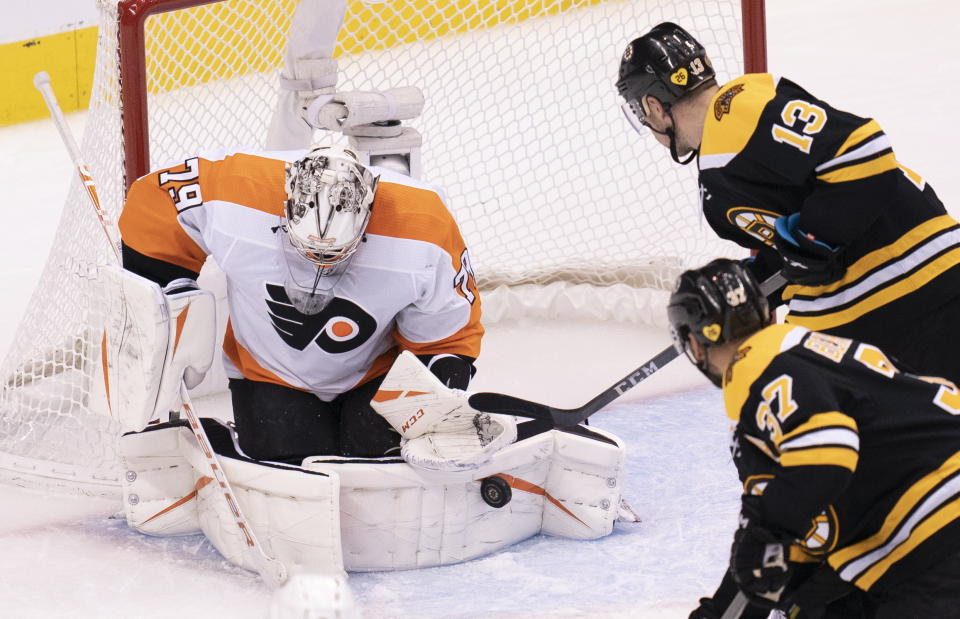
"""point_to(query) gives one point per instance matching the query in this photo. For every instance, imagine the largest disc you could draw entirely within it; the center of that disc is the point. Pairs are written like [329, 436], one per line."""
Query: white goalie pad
[396, 516]
[584, 485]
[293, 512]
[151, 341]
[159, 492]
[377, 514]
[439, 428]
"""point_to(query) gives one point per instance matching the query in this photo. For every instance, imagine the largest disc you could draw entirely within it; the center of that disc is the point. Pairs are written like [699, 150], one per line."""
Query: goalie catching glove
[440, 431]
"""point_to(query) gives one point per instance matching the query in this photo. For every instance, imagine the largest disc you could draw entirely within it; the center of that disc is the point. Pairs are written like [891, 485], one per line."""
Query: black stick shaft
[511, 405]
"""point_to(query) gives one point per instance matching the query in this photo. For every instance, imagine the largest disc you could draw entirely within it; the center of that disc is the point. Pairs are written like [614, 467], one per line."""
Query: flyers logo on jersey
[342, 326]
[722, 105]
[679, 77]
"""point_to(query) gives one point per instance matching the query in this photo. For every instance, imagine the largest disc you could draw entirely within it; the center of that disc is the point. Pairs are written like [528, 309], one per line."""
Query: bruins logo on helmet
[628, 53]
[679, 77]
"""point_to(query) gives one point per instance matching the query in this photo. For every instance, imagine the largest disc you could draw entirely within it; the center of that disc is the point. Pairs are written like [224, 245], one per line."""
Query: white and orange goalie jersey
[408, 287]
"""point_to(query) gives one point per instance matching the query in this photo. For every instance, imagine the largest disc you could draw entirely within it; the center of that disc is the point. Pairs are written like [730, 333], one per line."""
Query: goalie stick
[566, 417]
[272, 571]
[41, 81]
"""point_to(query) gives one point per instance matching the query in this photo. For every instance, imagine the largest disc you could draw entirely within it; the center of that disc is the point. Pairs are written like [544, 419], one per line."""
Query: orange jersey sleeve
[157, 220]
[409, 212]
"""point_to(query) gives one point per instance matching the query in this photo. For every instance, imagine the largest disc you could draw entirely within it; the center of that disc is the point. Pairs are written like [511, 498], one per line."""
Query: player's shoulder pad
[733, 116]
[754, 357]
[389, 176]
[409, 208]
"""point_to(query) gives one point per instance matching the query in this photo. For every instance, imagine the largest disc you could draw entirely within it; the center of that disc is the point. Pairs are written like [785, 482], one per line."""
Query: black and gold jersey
[835, 445]
[770, 148]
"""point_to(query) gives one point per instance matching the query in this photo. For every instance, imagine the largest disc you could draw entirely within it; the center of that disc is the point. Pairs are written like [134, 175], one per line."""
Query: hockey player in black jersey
[868, 248]
[850, 467]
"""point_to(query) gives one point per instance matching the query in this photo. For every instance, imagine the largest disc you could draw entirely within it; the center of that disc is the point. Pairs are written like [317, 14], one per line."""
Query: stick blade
[504, 404]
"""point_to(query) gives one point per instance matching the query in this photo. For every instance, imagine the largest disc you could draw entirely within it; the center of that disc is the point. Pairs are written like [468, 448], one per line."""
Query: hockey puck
[495, 491]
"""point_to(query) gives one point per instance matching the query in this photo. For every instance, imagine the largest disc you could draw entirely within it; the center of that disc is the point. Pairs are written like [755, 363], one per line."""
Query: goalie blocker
[484, 491]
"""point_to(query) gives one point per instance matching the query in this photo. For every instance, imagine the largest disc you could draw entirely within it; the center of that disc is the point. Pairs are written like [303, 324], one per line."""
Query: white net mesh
[521, 128]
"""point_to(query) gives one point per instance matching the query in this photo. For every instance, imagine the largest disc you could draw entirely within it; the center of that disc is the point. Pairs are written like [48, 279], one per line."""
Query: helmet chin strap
[704, 366]
[673, 143]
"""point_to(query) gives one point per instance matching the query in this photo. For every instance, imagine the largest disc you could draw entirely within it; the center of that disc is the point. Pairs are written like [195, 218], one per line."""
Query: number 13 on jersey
[804, 120]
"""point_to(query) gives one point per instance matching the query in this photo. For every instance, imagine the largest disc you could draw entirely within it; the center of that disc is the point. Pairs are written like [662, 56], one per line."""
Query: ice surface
[66, 557]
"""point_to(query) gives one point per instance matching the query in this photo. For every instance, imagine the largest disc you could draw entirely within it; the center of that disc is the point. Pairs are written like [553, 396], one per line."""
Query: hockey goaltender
[425, 481]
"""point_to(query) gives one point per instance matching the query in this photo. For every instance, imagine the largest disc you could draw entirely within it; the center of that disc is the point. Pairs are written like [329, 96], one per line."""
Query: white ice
[64, 557]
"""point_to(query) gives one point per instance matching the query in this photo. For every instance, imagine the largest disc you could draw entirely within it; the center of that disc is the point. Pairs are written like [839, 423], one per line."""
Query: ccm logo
[413, 419]
[635, 378]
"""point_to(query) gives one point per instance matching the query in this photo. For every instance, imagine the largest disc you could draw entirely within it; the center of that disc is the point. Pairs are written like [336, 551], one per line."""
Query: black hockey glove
[758, 561]
[714, 607]
[817, 591]
[806, 260]
[454, 371]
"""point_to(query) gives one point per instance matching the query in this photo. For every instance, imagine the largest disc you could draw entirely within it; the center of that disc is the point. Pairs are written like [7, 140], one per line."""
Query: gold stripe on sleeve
[821, 456]
[858, 135]
[858, 171]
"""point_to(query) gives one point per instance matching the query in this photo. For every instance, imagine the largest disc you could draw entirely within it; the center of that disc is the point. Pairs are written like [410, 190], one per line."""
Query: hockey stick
[272, 571]
[41, 81]
[736, 607]
[566, 417]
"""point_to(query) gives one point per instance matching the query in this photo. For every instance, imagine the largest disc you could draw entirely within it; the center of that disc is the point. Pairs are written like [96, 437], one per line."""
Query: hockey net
[521, 128]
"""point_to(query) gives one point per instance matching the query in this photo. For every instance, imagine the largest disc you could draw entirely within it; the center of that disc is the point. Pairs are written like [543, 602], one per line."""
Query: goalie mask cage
[521, 128]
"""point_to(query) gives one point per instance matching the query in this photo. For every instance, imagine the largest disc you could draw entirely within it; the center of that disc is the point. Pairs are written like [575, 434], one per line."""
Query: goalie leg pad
[585, 482]
[159, 497]
[396, 516]
[294, 513]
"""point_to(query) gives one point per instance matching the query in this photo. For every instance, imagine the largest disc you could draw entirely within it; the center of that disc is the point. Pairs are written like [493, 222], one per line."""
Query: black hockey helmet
[666, 63]
[716, 303]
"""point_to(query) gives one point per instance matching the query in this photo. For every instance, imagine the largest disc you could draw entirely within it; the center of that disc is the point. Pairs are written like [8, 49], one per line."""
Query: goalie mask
[329, 198]
[329, 195]
[716, 304]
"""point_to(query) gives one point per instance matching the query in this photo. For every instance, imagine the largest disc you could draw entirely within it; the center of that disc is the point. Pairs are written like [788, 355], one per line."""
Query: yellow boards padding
[68, 57]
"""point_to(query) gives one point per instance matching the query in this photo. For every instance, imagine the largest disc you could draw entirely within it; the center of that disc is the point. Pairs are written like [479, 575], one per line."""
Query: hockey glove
[454, 371]
[758, 562]
[806, 260]
[714, 607]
